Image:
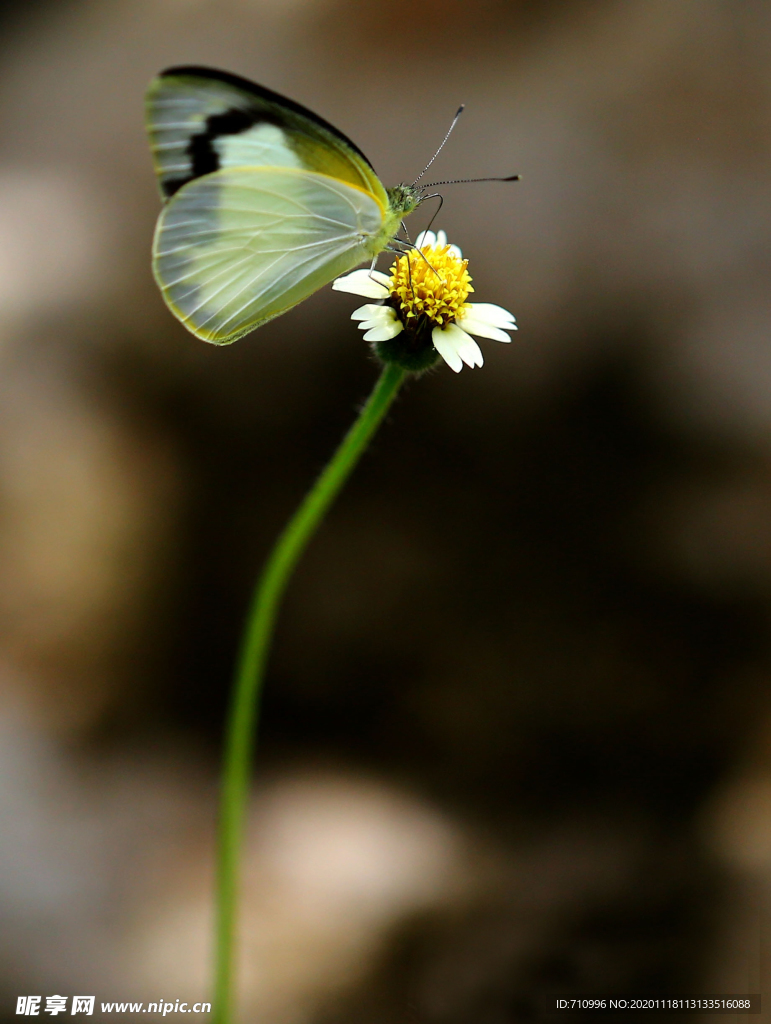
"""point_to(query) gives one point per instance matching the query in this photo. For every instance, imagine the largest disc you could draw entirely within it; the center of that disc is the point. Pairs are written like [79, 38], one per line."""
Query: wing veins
[278, 281]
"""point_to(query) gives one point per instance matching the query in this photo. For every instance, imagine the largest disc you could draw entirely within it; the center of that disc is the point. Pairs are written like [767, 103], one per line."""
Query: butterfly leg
[435, 195]
[407, 247]
[372, 266]
[409, 271]
[411, 245]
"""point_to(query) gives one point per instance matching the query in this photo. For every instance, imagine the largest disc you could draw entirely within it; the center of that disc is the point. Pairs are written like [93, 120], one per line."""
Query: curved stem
[243, 716]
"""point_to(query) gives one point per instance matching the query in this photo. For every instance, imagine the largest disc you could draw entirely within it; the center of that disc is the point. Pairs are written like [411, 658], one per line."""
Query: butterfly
[264, 201]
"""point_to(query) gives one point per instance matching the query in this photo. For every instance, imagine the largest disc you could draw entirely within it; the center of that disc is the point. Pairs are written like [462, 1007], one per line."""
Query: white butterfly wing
[238, 247]
[201, 120]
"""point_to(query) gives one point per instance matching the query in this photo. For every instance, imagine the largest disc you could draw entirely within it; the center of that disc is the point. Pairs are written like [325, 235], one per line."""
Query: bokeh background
[517, 728]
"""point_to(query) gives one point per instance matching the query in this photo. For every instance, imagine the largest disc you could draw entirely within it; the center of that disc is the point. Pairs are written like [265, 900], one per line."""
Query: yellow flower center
[431, 282]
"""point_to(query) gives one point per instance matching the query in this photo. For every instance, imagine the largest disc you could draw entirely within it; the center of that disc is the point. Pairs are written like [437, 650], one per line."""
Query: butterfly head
[404, 199]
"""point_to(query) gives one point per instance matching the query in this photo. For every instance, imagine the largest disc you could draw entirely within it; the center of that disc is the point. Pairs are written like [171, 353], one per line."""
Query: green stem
[243, 716]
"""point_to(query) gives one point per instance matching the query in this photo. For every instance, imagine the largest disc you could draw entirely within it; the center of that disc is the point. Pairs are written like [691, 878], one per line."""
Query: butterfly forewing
[240, 246]
[201, 120]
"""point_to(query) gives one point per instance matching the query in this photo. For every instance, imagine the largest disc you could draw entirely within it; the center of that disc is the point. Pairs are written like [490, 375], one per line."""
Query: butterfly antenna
[449, 133]
[467, 181]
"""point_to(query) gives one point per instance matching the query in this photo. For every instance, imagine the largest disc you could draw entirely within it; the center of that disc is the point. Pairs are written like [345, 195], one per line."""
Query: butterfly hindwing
[239, 246]
[201, 120]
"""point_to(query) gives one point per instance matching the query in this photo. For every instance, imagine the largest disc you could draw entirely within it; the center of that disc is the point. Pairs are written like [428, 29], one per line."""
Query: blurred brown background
[517, 730]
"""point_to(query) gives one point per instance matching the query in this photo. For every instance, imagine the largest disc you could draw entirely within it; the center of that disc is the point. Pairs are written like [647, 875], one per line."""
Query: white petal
[376, 325]
[444, 344]
[372, 312]
[375, 317]
[384, 331]
[372, 285]
[496, 316]
[465, 346]
[425, 238]
[441, 241]
[482, 329]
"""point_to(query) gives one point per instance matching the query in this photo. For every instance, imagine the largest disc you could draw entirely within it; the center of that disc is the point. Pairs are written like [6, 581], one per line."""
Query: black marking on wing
[204, 158]
[172, 185]
[267, 96]
[203, 155]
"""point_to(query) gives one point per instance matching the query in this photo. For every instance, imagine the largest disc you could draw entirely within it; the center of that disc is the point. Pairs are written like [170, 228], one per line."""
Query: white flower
[437, 240]
[380, 322]
[371, 283]
[424, 297]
